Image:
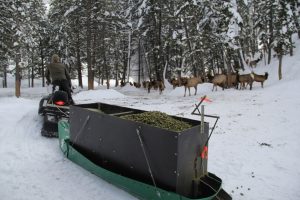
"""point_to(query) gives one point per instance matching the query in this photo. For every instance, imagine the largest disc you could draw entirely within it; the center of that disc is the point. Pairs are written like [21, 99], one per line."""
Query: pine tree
[282, 33]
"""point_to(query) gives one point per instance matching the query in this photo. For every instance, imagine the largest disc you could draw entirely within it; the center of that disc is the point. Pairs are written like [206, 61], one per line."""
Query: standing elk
[175, 83]
[178, 82]
[145, 84]
[209, 77]
[136, 84]
[191, 82]
[253, 63]
[261, 78]
[232, 80]
[156, 84]
[245, 79]
[219, 80]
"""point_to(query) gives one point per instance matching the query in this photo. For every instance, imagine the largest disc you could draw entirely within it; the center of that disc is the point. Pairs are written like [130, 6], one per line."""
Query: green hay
[160, 120]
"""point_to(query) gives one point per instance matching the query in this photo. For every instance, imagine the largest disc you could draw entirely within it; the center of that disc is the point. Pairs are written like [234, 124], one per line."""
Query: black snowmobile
[53, 108]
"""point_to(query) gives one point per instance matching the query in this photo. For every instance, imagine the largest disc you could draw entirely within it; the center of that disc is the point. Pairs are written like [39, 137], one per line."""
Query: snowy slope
[254, 148]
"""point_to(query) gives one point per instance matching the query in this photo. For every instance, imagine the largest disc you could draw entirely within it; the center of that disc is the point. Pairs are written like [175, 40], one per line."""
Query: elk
[137, 85]
[252, 63]
[145, 84]
[156, 84]
[219, 80]
[178, 82]
[261, 78]
[175, 83]
[191, 82]
[122, 83]
[209, 77]
[245, 79]
[232, 80]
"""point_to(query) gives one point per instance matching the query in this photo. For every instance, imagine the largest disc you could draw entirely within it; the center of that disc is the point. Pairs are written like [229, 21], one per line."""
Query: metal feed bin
[166, 159]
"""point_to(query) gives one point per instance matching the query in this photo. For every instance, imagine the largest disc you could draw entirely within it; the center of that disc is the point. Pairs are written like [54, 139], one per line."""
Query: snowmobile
[53, 108]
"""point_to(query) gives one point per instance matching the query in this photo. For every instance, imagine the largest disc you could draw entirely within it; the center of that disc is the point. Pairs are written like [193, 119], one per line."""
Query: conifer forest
[113, 39]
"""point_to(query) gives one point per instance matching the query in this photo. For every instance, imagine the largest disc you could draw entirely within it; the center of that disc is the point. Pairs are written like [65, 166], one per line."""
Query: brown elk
[191, 82]
[252, 63]
[209, 77]
[232, 80]
[145, 84]
[175, 83]
[261, 78]
[219, 80]
[122, 83]
[178, 82]
[156, 84]
[137, 85]
[244, 80]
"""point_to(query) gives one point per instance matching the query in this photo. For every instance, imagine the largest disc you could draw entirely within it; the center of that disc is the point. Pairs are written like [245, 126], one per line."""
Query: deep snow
[254, 149]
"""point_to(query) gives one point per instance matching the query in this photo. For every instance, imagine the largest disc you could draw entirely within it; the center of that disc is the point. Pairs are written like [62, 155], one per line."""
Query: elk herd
[238, 81]
[154, 84]
[232, 80]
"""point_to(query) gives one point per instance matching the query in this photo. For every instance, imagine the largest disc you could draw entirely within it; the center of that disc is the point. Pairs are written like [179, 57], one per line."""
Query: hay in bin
[160, 120]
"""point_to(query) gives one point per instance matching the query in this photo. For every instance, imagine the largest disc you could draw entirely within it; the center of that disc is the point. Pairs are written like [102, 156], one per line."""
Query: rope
[208, 185]
[148, 163]
[83, 126]
[65, 114]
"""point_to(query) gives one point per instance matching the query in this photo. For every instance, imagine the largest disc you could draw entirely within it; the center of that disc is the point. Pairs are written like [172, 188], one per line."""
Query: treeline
[107, 38]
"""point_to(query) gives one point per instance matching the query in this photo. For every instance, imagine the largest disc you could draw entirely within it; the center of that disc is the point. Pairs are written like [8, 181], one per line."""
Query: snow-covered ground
[254, 149]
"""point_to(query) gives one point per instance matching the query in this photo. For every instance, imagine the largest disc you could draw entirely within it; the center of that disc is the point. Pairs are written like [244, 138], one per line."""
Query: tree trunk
[28, 72]
[291, 46]
[190, 47]
[42, 63]
[129, 55]
[88, 45]
[264, 54]
[296, 17]
[271, 38]
[32, 76]
[106, 73]
[155, 40]
[160, 49]
[280, 66]
[139, 60]
[94, 51]
[116, 60]
[79, 73]
[116, 69]
[5, 77]
[32, 70]
[124, 62]
[18, 77]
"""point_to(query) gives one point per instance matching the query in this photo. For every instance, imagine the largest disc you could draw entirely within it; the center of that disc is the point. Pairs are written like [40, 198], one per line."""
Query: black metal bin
[98, 132]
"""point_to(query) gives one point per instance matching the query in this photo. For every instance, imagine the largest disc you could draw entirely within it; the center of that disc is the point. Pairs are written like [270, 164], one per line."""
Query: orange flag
[205, 99]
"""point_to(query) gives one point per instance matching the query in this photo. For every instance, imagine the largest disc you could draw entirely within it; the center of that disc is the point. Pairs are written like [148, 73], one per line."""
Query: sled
[137, 157]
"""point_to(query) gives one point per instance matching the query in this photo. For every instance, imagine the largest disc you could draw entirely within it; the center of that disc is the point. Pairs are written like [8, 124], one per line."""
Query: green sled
[136, 188]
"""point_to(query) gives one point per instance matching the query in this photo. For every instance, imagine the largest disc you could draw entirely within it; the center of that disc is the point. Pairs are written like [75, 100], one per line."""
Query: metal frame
[202, 114]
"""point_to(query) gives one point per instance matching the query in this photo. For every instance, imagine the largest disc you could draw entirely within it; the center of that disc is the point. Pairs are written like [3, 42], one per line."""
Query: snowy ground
[254, 149]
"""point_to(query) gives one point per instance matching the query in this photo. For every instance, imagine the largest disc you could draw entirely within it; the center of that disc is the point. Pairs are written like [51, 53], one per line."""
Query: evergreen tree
[190, 37]
[282, 33]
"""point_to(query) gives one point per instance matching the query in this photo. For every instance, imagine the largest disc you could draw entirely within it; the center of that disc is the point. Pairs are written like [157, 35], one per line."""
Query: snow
[70, 10]
[254, 148]
[97, 95]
